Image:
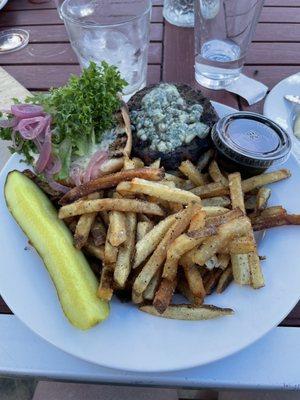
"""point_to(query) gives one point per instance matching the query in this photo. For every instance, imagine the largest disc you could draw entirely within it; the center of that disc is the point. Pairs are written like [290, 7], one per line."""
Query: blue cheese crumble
[166, 120]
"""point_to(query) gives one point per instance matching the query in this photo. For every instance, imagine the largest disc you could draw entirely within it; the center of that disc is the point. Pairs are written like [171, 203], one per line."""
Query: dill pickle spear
[75, 283]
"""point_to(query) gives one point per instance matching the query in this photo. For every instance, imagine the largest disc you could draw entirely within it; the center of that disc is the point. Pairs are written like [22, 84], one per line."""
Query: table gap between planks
[48, 60]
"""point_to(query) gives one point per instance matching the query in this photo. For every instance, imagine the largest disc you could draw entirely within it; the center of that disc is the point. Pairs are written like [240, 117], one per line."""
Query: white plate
[283, 112]
[132, 340]
[2, 3]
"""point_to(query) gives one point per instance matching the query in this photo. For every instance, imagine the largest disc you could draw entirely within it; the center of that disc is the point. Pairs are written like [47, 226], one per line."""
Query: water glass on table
[223, 32]
[179, 12]
[113, 31]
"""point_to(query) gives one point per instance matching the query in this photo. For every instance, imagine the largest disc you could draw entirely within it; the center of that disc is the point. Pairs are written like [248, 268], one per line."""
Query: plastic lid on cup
[251, 140]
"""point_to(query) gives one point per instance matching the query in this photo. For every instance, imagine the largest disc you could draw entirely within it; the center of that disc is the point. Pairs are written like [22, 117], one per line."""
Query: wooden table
[48, 60]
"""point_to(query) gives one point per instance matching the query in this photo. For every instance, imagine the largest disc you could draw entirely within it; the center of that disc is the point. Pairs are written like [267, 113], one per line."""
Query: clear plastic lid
[251, 139]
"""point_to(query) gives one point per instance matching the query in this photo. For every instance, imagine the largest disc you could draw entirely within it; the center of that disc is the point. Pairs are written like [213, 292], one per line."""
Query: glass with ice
[223, 31]
[113, 31]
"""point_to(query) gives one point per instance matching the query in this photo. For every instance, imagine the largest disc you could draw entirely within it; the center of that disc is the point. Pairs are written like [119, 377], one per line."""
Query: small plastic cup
[250, 143]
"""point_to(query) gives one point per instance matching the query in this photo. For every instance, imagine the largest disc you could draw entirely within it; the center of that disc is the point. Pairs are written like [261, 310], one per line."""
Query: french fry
[213, 189]
[239, 261]
[225, 279]
[155, 164]
[151, 289]
[191, 172]
[262, 198]
[160, 191]
[211, 280]
[133, 163]
[236, 192]
[125, 253]
[117, 233]
[98, 232]
[241, 268]
[273, 211]
[214, 222]
[125, 205]
[179, 182]
[143, 227]
[150, 241]
[226, 233]
[136, 298]
[110, 252]
[164, 295]
[84, 225]
[181, 223]
[197, 221]
[95, 251]
[241, 245]
[194, 280]
[180, 246]
[218, 189]
[262, 223]
[221, 201]
[204, 159]
[212, 211]
[216, 174]
[256, 276]
[105, 290]
[224, 260]
[189, 312]
[109, 181]
[264, 179]
[183, 288]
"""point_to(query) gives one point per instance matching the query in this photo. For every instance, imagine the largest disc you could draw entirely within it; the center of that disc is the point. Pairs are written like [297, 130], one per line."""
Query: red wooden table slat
[48, 17]
[283, 3]
[57, 33]
[27, 5]
[277, 32]
[280, 14]
[270, 75]
[33, 76]
[61, 53]
[273, 53]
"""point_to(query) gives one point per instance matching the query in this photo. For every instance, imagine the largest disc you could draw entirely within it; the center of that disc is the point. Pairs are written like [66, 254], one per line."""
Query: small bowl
[250, 143]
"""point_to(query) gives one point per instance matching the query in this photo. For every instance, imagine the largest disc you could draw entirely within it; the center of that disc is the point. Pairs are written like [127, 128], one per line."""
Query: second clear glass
[113, 31]
[223, 31]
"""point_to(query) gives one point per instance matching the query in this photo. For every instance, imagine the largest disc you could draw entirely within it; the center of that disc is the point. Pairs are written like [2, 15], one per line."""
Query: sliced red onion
[26, 110]
[45, 152]
[54, 165]
[31, 128]
[94, 164]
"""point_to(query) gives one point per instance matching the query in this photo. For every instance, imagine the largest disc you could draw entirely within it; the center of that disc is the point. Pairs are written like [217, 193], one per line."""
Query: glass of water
[179, 12]
[223, 31]
[113, 31]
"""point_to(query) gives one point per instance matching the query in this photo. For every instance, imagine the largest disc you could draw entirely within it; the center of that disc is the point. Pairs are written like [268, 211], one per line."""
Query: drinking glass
[113, 31]
[223, 31]
[179, 12]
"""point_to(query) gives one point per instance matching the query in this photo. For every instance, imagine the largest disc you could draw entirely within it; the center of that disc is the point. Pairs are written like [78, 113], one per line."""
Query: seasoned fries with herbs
[188, 231]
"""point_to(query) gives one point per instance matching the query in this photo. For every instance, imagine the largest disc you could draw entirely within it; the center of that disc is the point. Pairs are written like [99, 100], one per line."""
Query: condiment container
[250, 143]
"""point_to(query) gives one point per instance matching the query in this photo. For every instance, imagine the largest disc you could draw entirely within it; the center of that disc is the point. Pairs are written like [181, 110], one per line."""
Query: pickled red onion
[30, 128]
[97, 159]
[45, 151]
[26, 110]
